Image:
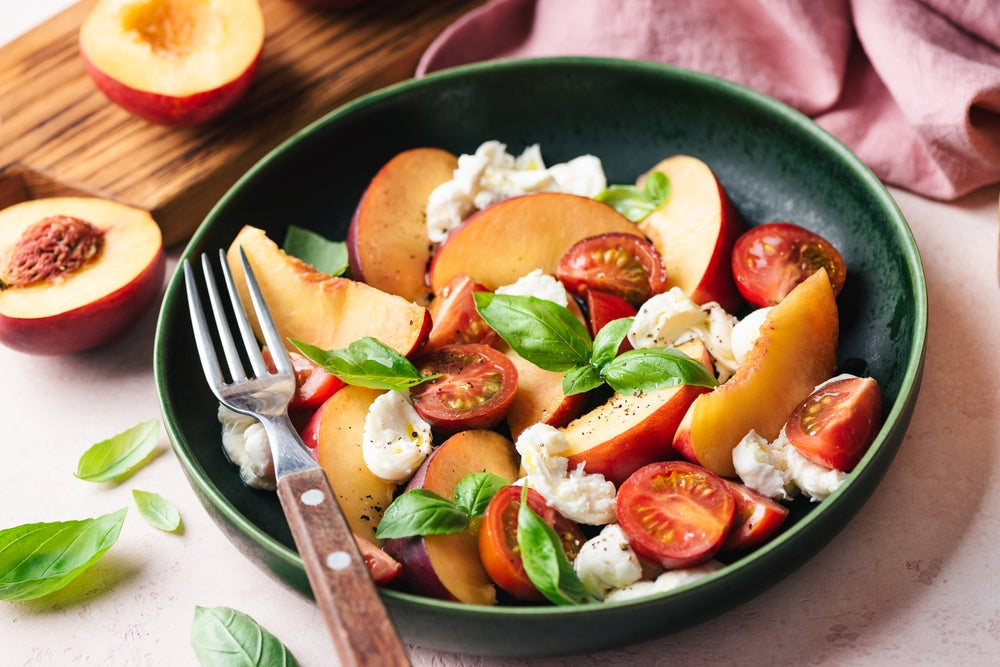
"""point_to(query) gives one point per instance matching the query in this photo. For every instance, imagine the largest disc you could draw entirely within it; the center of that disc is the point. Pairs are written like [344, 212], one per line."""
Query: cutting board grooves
[60, 136]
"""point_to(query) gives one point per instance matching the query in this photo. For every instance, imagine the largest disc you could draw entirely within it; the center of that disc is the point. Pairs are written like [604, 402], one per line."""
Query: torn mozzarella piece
[777, 470]
[745, 333]
[668, 581]
[606, 562]
[815, 481]
[540, 285]
[396, 439]
[584, 498]
[246, 445]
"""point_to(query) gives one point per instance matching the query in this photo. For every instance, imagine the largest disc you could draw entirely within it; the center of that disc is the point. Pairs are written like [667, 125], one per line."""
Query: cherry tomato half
[837, 423]
[454, 315]
[770, 260]
[313, 385]
[620, 263]
[475, 390]
[757, 518]
[498, 547]
[675, 513]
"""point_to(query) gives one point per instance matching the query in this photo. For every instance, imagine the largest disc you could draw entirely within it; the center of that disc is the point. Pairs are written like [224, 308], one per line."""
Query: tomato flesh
[757, 518]
[769, 260]
[619, 263]
[498, 547]
[675, 513]
[454, 316]
[837, 423]
[475, 390]
[313, 385]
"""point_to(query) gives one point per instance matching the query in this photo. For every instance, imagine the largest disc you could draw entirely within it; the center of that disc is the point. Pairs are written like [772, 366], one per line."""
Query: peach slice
[695, 231]
[53, 308]
[174, 62]
[628, 431]
[795, 351]
[327, 311]
[540, 398]
[387, 240]
[508, 240]
[448, 567]
[337, 428]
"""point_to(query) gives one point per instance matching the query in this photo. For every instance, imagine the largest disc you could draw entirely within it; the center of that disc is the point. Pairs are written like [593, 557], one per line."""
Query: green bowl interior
[775, 164]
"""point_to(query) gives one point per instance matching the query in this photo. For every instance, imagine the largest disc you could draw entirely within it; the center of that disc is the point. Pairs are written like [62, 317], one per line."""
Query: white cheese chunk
[396, 439]
[246, 445]
[745, 333]
[668, 581]
[606, 561]
[540, 285]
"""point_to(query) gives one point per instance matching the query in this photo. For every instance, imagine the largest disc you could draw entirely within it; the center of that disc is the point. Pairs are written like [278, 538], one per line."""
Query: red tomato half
[835, 426]
[313, 385]
[454, 315]
[498, 547]
[757, 518]
[675, 513]
[620, 263]
[475, 390]
[770, 260]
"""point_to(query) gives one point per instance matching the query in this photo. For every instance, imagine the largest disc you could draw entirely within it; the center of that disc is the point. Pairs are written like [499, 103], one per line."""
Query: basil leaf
[39, 558]
[609, 339]
[421, 512]
[319, 252]
[225, 636]
[367, 362]
[545, 333]
[581, 379]
[121, 455]
[628, 200]
[545, 560]
[658, 188]
[648, 369]
[157, 510]
[475, 491]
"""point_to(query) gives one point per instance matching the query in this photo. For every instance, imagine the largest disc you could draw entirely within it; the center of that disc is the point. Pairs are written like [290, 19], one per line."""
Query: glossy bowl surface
[776, 165]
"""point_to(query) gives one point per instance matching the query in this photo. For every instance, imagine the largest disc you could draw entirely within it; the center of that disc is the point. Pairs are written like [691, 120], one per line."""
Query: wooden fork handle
[343, 587]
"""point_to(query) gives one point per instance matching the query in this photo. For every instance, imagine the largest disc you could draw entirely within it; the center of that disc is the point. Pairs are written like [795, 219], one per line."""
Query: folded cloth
[911, 86]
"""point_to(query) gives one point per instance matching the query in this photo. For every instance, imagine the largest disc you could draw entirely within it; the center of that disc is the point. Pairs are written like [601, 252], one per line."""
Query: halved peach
[387, 240]
[49, 305]
[508, 240]
[327, 311]
[795, 351]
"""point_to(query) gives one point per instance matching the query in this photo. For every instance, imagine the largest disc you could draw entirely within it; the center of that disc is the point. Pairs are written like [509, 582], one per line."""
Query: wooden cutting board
[59, 135]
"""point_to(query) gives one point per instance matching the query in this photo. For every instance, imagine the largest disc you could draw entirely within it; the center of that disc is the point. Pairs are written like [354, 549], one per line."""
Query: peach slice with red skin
[172, 62]
[499, 244]
[47, 307]
[795, 351]
[387, 239]
[327, 311]
[448, 567]
[695, 230]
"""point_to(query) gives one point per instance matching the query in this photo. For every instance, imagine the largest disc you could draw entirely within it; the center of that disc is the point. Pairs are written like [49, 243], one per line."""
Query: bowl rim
[864, 473]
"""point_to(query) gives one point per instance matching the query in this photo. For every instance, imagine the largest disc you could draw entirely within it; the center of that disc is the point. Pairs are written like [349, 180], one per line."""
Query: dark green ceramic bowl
[776, 165]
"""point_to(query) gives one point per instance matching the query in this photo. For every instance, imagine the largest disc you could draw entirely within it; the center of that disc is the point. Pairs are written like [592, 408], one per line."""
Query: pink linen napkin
[911, 86]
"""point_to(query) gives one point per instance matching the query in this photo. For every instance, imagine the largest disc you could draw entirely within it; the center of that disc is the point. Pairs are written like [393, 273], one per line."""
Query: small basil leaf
[649, 369]
[475, 491]
[120, 455]
[319, 252]
[421, 512]
[39, 558]
[628, 200]
[224, 636]
[658, 188]
[609, 339]
[157, 510]
[581, 379]
[545, 333]
[367, 362]
[545, 560]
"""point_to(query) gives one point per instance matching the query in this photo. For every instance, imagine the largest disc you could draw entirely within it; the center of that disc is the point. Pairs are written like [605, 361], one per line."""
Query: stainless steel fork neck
[290, 454]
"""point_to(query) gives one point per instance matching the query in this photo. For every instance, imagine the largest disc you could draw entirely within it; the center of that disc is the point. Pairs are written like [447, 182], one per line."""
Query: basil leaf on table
[318, 251]
[544, 333]
[652, 368]
[157, 510]
[545, 560]
[120, 455]
[225, 636]
[367, 362]
[421, 512]
[475, 491]
[39, 558]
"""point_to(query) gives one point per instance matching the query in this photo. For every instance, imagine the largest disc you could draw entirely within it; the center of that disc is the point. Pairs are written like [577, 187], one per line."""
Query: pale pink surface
[912, 87]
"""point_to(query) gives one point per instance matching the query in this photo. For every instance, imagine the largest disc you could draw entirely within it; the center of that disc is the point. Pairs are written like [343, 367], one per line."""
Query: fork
[358, 621]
